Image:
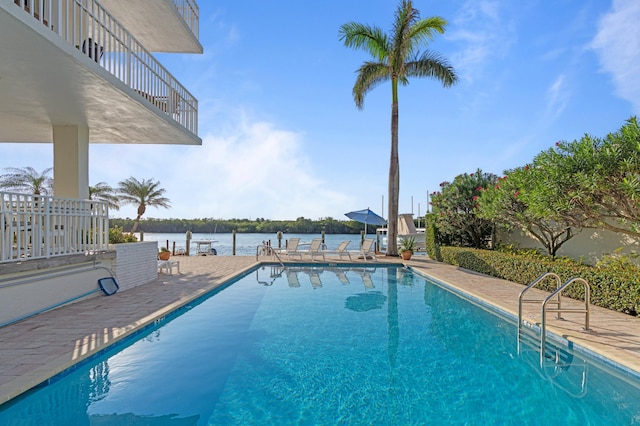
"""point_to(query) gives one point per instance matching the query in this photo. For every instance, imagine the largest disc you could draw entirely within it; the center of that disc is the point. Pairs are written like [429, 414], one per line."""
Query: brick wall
[135, 263]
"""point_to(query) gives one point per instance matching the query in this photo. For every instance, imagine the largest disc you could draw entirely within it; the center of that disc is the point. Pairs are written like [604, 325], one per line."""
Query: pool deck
[35, 349]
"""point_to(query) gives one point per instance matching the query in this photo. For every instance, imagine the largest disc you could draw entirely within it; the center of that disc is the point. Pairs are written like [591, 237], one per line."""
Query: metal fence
[190, 12]
[88, 26]
[38, 226]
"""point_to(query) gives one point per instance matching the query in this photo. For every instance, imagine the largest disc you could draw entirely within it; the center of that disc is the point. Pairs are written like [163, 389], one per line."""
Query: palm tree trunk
[394, 177]
[135, 224]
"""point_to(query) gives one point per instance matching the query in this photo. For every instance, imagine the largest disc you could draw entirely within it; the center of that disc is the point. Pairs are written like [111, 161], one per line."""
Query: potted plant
[164, 253]
[407, 246]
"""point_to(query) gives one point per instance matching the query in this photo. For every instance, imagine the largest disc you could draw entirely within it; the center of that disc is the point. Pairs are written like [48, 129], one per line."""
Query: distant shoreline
[244, 226]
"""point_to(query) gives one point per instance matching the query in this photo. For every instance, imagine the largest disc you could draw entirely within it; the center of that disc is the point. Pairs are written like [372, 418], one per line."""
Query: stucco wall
[27, 293]
[589, 245]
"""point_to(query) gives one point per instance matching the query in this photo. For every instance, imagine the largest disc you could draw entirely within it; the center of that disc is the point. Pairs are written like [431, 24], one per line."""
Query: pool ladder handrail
[558, 310]
[534, 283]
[270, 249]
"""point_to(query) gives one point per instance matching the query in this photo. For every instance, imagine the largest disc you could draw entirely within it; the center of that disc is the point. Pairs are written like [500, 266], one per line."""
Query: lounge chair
[292, 248]
[366, 250]
[340, 251]
[315, 249]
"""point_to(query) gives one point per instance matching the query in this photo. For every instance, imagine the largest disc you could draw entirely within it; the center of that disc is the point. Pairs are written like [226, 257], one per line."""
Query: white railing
[190, 12]
[40, 226]
[88, 26]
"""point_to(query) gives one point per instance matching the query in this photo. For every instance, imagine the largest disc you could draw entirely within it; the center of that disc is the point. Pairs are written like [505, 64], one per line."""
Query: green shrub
[117, 236]
[431, 238]
[614, 285]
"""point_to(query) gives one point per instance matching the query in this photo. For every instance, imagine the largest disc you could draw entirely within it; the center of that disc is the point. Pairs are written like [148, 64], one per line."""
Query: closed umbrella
[367, 217]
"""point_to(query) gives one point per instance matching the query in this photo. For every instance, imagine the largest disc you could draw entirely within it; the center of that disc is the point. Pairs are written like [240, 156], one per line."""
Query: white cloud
[617, 44]
[482, 33]
[252, 170]
[556, 98]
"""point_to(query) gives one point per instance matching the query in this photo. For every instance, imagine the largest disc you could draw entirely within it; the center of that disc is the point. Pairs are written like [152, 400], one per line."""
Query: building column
[71, 161]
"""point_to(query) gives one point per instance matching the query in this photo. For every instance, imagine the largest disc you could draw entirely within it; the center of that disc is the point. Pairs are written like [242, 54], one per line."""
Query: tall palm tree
[396, 57]
[143, 193]
[105, 193]
[27, 180]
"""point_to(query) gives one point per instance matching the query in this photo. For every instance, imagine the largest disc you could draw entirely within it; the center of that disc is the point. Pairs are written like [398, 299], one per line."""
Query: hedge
[614, 286]
[431, 238]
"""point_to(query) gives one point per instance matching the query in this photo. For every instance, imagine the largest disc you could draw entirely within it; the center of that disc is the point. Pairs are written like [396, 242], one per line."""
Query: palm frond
[146, 192]
[425, 30]
[433, 65]
[104, 193]
[370, 75]
[365, 37]
[27, 180]
[403, 45]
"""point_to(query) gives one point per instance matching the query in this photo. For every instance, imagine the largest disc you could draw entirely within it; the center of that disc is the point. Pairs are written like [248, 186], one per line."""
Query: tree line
[147, 192]
[209, 225]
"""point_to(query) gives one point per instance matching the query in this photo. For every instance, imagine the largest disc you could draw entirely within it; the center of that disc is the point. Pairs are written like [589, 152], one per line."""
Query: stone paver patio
[35, 349]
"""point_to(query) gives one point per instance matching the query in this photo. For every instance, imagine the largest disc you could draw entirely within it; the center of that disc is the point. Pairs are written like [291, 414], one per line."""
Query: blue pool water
[330, 346]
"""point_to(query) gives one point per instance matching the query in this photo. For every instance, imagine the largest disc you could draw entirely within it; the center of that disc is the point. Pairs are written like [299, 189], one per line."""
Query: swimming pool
[322, 345]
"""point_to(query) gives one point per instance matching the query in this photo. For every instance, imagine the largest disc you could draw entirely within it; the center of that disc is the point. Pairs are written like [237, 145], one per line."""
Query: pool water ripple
[387, 348]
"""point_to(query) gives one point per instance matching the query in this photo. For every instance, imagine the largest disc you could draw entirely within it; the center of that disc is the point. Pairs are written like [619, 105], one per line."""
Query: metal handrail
[189, 11]
[272, 251]
[587, 299]
[530, 286]
[90, 28]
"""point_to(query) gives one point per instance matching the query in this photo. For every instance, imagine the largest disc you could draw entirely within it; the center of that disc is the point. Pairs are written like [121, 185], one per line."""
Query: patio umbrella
[366, 216]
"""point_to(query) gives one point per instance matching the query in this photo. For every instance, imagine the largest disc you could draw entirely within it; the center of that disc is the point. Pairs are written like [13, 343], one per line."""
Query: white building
[75, 73]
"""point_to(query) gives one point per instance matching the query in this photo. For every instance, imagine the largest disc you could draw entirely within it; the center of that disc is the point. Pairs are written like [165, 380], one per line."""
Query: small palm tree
[105, 193]
[143, 193]
[396, 57]
[27, 180]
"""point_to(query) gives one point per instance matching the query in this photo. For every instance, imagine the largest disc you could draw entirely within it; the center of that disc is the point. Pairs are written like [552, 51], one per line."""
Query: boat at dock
[205, 247]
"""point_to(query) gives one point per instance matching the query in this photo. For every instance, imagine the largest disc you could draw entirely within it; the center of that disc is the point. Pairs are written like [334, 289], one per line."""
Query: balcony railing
[38, 226]
[89, 27]
[190, 12]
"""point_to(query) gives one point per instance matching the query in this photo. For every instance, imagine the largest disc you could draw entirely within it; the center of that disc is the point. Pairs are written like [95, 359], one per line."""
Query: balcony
[160, 25]
[42, 227]
[73, 63]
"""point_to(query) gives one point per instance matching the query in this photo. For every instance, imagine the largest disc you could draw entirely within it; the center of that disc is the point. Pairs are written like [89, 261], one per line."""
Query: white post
[71, 161]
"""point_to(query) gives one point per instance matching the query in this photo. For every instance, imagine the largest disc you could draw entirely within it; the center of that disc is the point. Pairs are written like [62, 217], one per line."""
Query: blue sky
[282, 137]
